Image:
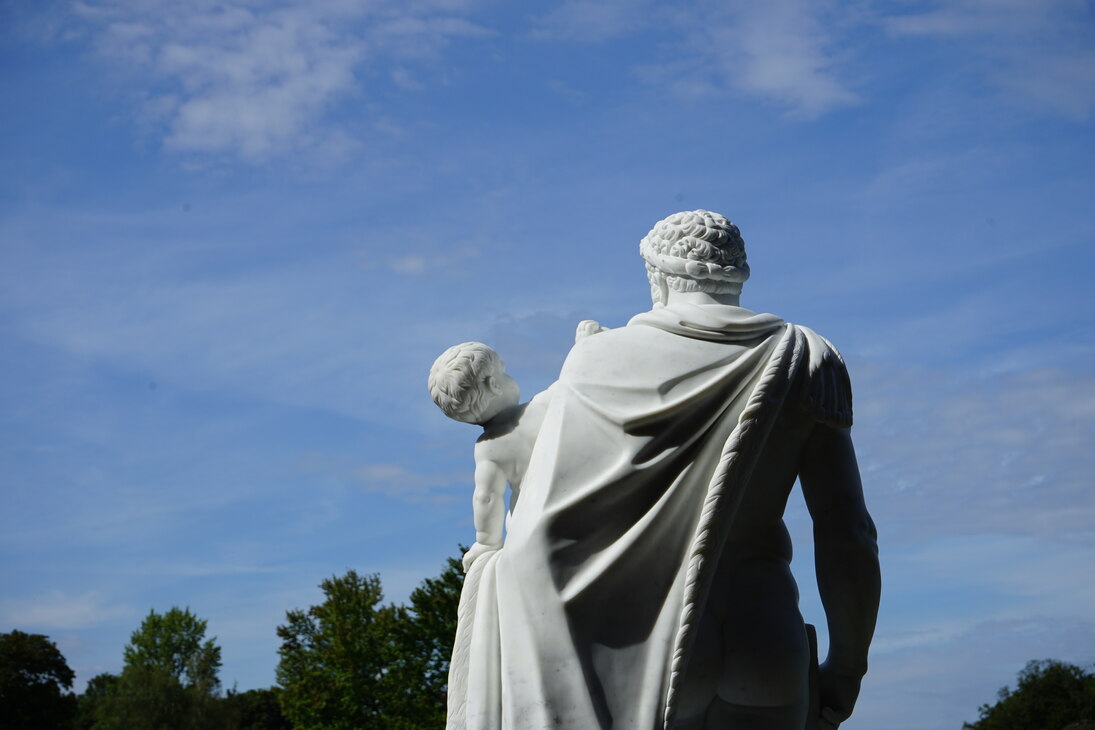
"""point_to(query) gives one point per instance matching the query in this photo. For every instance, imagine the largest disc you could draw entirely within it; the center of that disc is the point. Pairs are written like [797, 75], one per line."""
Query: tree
[426, 638]
[1050, 695]
[331, 656]
[98, 689]
[256, 709]
[33, 678]
[354, 663]
[172, 642]
[169, 680]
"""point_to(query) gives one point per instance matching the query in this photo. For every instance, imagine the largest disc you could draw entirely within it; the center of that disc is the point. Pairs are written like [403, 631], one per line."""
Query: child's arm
[488, 509]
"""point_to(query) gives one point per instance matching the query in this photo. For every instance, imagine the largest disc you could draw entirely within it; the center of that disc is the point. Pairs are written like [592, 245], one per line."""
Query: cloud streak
[160, 310]
[783, 51]
[1039, 55]
[947, 678]
[256, 80]
[57, 610]
[808, 57]
[396, 480]
[1002, 454]
[592, 20]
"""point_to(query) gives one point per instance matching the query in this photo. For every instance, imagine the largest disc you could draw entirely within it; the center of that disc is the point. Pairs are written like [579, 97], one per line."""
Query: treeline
[352, 663]
[349, 663]
[1050, 695]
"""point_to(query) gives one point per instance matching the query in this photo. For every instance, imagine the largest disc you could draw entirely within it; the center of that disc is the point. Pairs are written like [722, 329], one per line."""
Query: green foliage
[99, 687]
[1050, 695]
[172, 642]
[330, 666]
[33, 675]
[427, 645]
[352, 663]
[169, 681]
[255, 709]
[151, 697]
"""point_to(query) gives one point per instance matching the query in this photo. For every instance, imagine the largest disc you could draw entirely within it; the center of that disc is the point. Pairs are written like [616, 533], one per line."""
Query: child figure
[468, 382]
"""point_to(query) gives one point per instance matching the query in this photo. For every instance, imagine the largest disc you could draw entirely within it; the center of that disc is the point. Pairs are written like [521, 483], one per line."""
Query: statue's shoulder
[824, 387]
[593, 353]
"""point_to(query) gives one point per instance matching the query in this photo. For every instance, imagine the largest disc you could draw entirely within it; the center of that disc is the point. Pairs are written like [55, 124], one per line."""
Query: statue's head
[468, 382]
[694, 251]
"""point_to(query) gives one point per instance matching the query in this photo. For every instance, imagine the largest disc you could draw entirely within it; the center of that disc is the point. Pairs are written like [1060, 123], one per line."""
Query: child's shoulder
[500, 429]
[498, 450]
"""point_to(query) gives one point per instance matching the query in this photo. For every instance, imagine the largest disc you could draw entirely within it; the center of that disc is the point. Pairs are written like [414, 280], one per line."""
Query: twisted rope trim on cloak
[461, 650]
[755, 421]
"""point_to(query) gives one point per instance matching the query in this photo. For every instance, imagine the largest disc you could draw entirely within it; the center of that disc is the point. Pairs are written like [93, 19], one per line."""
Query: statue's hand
[586, 328]
[828, 720]
[837, 693]
[475, 551]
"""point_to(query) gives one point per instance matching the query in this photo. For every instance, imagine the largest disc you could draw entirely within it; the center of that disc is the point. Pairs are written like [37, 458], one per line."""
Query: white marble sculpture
[643, 581]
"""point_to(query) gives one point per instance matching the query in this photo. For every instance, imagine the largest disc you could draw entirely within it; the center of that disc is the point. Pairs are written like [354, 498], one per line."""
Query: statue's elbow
[867, 533]
[854, 534]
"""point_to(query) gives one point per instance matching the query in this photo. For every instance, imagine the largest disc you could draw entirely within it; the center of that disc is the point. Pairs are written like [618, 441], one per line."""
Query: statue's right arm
[488, 507]
[488, 502]
[846, 557]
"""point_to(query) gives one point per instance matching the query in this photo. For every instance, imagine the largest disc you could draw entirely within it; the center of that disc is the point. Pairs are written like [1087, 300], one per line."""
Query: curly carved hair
[694, 251]
[457, 380]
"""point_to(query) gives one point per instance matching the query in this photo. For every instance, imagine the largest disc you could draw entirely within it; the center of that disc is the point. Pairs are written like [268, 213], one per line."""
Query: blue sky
[233, 237]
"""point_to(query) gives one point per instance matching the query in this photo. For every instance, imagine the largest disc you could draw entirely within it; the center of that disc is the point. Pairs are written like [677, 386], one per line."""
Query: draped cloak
[585, 618]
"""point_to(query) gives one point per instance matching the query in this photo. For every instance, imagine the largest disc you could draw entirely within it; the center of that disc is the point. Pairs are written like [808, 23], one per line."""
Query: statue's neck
[700, 297]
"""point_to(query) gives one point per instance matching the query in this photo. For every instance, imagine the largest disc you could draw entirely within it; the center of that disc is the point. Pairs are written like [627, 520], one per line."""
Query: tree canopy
[169, 681]
[1050, 695]
[34, 679]
[353, 663]
[99, 688]
[255, 709]
[172, 642]
[434, 606]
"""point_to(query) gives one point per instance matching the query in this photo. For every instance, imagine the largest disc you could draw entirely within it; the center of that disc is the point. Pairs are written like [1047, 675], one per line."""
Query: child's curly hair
[458, 380]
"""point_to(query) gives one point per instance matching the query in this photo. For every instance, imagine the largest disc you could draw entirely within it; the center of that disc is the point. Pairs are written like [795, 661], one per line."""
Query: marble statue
[640, 579]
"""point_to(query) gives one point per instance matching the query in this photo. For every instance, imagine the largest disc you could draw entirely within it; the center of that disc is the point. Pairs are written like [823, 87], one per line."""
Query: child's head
[468, 382]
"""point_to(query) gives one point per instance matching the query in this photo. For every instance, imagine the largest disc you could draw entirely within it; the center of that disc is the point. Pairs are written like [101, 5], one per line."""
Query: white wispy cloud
[784, 51]
[946, 680]
[55, 610]
[788, 52]
[256, 80]
[1038, 54]
[592, 20]
[136, 307]
[980, 17]
[951, 454]
[809, 57]
[426, 259]
[396, 480]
